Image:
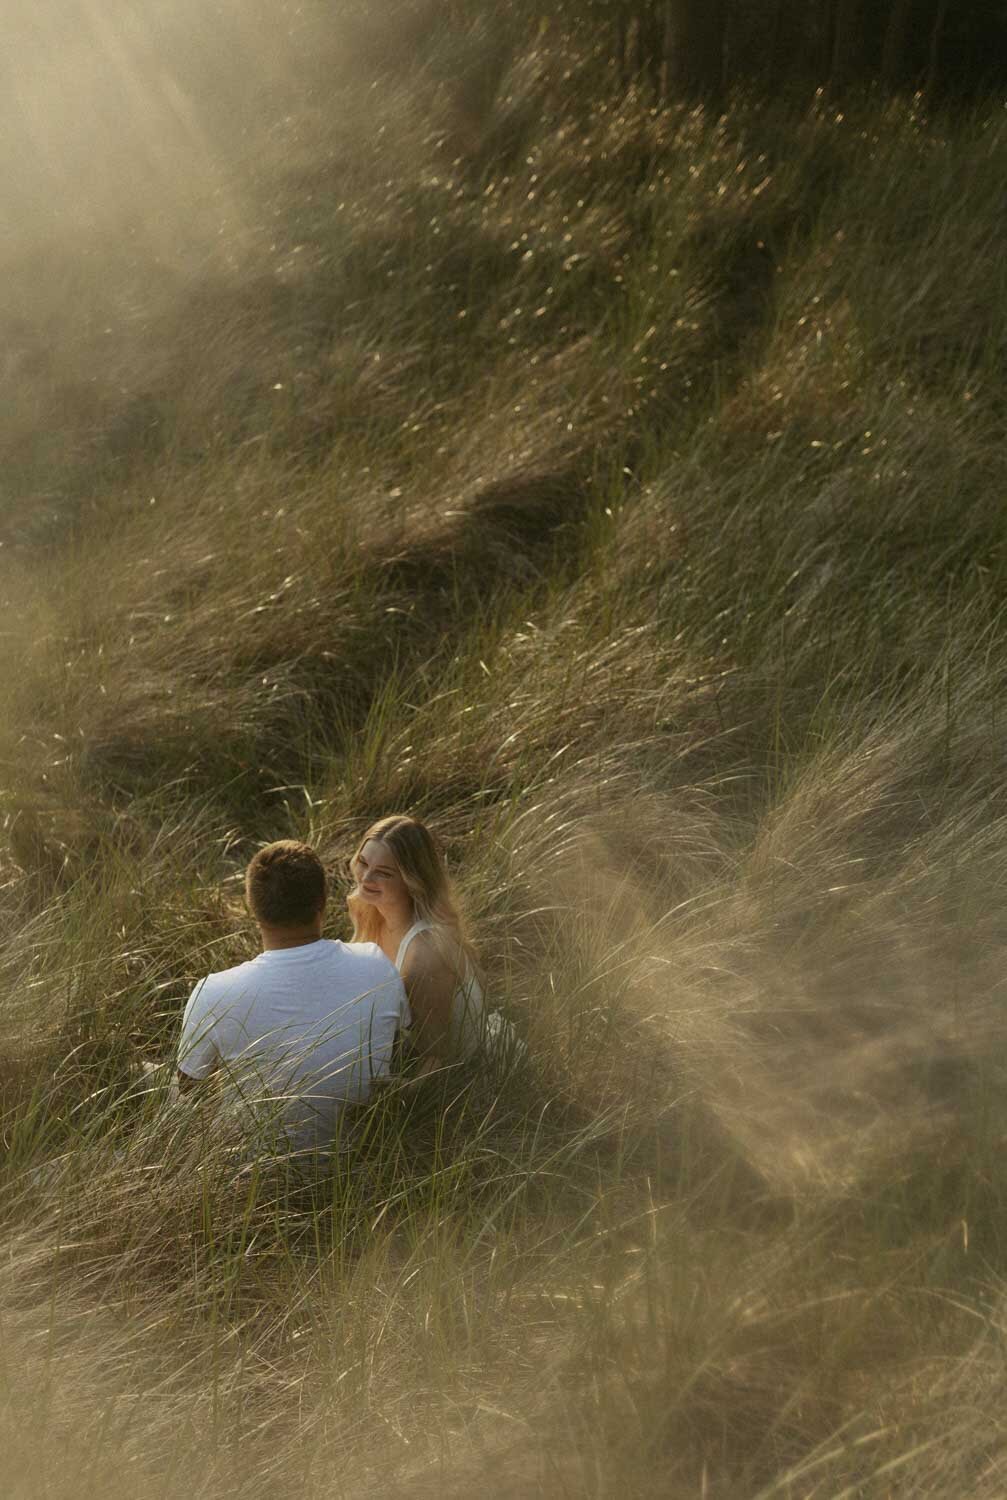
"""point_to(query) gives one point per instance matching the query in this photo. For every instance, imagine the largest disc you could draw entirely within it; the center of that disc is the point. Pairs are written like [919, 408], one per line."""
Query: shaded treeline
[700, 48]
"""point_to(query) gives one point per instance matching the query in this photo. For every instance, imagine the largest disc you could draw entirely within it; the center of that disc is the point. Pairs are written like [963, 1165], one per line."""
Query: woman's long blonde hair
[426, 878]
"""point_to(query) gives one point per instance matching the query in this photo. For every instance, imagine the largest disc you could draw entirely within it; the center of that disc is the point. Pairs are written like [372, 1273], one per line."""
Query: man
[304, 1028]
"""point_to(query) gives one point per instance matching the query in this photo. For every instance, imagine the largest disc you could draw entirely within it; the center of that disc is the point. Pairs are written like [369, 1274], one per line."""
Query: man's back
[299, 1031]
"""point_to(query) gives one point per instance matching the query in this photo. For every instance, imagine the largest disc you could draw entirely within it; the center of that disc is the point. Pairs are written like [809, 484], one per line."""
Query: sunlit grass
[621, 491]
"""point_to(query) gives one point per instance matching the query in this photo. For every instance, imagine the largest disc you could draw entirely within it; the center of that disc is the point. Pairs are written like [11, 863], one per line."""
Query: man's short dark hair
[285, 884]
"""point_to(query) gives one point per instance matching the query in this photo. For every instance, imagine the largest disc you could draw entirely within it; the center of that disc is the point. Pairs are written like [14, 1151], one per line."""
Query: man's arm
[198, 1055]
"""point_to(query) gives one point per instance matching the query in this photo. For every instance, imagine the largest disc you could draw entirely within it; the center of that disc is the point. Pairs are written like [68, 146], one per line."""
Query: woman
[403, 901]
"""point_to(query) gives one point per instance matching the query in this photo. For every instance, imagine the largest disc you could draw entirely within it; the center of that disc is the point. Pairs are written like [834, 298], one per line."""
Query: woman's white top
[466, 1035]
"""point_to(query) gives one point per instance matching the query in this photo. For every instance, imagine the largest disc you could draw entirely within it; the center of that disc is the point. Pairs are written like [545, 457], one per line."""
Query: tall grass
[619, 490]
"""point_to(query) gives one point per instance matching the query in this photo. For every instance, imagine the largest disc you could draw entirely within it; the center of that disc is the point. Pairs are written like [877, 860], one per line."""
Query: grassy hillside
[623, 491]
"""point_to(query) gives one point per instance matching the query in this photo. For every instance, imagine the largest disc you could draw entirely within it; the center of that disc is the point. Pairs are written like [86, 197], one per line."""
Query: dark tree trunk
[650, 49]
[936, 37]
[894, 65]
[847, 43]
[641, 42]
[824, 22]
[775, 66]
[696, 65]
[622, 37]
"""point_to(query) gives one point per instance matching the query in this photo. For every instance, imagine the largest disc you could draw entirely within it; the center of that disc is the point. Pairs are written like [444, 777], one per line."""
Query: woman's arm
[430, 981]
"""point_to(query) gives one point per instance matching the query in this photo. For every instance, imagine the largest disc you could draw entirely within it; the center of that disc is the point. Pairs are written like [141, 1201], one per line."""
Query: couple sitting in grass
[311, 1025]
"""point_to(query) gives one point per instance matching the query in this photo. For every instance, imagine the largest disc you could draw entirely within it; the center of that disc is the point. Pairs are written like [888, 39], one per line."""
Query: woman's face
[378, 878]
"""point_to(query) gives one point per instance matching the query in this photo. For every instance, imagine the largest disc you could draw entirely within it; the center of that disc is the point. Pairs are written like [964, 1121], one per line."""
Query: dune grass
[621, 490]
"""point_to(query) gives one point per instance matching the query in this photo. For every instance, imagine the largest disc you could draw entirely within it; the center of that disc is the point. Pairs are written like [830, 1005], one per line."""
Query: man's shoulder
[223, 982]
[369, 956]
[362, 971]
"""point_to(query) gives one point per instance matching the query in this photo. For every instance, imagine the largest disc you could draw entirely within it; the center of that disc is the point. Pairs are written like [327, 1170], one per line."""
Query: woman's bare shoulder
[431, 954]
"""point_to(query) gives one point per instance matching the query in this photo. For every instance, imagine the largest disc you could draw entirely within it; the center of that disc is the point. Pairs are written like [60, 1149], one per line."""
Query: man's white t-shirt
[298, 1032]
